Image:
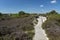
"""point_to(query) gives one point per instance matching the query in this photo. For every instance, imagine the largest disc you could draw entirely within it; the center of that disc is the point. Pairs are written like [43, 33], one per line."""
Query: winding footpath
[39, 32]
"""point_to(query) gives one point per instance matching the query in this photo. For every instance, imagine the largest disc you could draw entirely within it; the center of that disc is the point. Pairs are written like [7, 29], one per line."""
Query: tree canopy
[0, 14]
[52, 12]
[21, 13]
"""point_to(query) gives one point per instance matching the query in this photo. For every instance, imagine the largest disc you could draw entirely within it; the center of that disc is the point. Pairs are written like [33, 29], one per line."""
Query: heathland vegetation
[16, 26]
[20, 26]
[52, 25]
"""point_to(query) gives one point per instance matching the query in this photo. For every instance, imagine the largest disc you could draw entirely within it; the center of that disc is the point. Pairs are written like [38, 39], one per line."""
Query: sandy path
[39, 32]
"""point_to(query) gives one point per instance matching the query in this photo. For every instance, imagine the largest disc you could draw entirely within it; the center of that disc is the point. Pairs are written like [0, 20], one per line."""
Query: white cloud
[41, 5]
[53, 1]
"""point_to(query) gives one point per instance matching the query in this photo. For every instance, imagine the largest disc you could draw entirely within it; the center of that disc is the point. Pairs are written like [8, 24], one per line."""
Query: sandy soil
[39, 32]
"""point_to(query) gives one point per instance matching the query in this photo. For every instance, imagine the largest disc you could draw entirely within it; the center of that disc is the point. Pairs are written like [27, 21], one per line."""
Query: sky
[29, 6]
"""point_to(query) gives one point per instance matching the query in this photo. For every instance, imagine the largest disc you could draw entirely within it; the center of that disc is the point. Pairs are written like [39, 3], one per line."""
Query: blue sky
[31, 6]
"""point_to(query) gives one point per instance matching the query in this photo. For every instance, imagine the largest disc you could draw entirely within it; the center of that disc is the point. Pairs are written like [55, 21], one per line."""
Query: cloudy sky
[32, 6]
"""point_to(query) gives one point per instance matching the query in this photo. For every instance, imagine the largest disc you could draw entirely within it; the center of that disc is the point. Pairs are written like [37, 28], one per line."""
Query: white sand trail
[39, 32]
